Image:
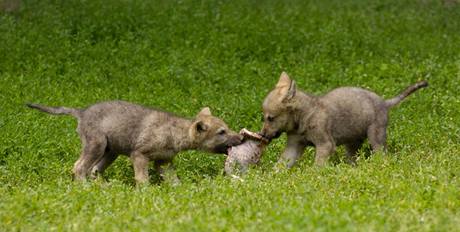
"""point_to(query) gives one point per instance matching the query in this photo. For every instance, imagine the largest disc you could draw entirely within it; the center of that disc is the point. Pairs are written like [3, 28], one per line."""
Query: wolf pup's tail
[56, 110]
[409, 90]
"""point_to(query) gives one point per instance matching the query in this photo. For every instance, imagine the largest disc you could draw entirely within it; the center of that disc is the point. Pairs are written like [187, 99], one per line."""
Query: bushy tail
[409, 90]
[56, 110]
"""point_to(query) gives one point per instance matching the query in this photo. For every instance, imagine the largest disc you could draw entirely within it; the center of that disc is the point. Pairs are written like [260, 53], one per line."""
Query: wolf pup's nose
[263, 133]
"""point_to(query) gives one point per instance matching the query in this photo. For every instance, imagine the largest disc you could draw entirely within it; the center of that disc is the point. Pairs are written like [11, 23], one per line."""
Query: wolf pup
[108, 129]
[248, 153]
[344, 116]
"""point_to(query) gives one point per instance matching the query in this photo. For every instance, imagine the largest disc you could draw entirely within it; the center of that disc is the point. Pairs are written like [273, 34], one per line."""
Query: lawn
[183, 55]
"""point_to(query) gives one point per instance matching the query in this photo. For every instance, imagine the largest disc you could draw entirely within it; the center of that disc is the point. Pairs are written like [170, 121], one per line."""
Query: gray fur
[108, 129]
[344, 116]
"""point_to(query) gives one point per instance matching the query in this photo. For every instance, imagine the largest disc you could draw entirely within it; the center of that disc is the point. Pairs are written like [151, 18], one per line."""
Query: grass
[183, 55]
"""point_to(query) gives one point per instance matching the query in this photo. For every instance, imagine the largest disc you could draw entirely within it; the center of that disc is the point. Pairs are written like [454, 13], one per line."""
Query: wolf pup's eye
[222, 132]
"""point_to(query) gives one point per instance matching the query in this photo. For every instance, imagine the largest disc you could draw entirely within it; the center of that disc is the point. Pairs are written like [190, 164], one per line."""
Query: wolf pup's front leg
[293, 151]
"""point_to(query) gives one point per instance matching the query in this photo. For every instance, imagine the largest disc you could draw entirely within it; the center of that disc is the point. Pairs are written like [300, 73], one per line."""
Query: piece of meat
[248, 153]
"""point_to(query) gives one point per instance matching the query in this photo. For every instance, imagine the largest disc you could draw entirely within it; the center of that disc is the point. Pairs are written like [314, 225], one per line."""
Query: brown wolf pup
[108, 129]
[344, 116]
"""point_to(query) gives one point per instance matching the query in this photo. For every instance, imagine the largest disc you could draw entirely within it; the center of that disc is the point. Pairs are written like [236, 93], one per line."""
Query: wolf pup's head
[277, 108]
[211, 134]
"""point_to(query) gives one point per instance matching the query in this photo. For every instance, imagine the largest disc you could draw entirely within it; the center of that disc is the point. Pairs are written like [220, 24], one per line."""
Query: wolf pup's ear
[291, 92]
[200, 126]
[284, 80]
[287, 87]
[205, 112]
[197, 129]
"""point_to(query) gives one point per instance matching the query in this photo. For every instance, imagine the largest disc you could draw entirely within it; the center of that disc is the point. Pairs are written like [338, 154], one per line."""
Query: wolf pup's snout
[234, 140]
[263, 135]
[213, 135]
[270, 135]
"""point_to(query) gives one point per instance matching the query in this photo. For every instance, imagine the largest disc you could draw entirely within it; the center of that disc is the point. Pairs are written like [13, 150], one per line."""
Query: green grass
[183, 55]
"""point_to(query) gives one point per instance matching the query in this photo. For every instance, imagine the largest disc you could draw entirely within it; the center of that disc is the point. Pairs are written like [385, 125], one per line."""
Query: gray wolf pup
[344, 116]
[239, 157]
[108, 129]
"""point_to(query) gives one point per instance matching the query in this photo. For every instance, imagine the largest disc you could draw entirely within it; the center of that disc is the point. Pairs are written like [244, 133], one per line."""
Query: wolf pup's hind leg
[92, 151]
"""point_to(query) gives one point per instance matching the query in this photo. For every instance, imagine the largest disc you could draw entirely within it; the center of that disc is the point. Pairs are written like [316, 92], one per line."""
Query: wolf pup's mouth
[222, 149]
[274, 136]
